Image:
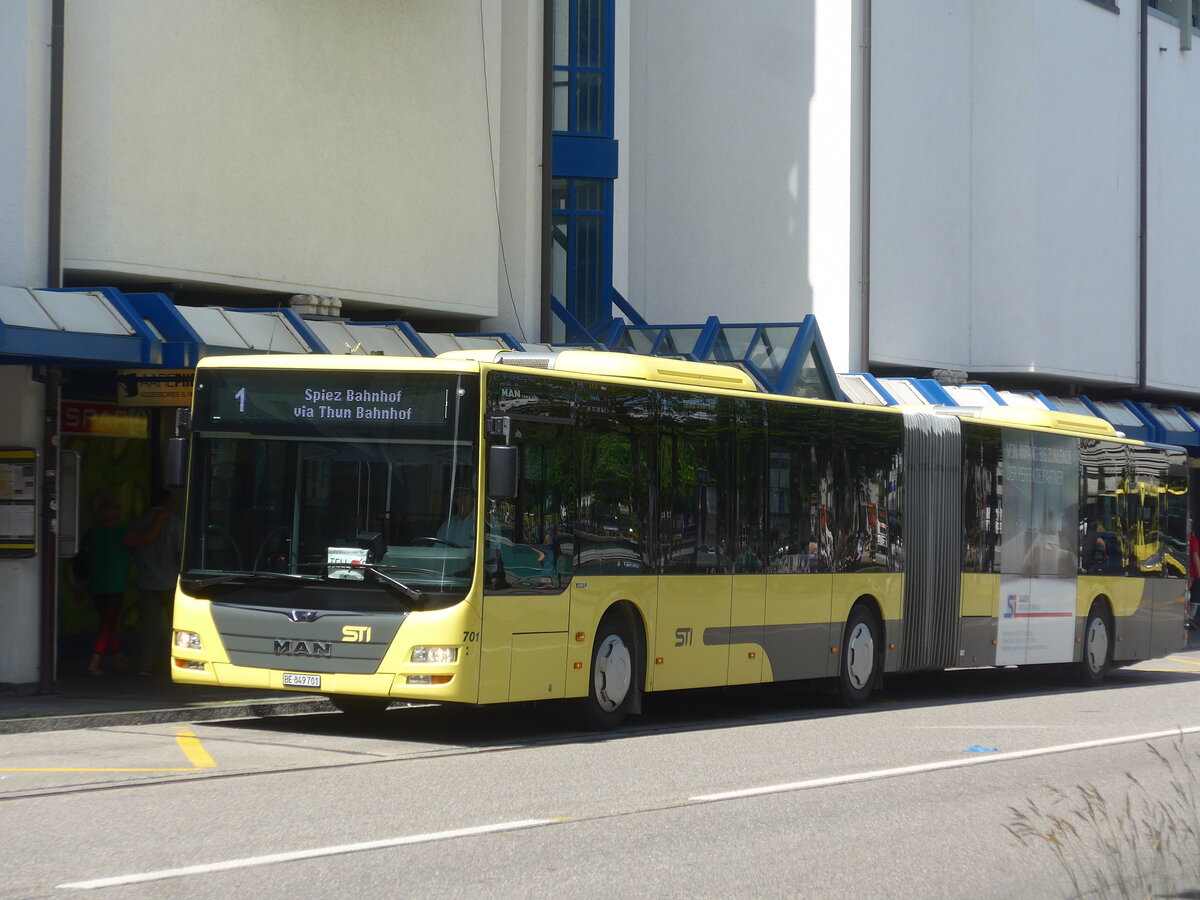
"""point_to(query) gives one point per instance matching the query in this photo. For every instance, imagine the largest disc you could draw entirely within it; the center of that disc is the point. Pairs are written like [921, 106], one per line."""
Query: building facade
[1004, 189]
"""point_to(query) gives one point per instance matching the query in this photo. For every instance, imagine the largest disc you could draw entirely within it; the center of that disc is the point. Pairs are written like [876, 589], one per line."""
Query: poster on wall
[155, 387]
[18, 502]
[103, 420]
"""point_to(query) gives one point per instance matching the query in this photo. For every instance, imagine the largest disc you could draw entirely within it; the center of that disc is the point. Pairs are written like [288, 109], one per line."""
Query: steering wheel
[433, 542]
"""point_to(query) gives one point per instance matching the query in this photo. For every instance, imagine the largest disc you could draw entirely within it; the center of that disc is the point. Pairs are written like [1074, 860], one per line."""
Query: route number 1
[241, 399]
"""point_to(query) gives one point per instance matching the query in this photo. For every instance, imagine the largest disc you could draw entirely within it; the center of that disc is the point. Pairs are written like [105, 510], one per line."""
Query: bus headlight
[187, 640]
[435, 655]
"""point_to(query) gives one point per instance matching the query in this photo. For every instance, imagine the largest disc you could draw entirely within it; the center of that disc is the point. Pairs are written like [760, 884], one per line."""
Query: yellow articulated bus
[490, 528]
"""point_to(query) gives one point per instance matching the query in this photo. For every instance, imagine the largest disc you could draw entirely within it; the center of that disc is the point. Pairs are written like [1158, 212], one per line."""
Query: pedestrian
[157, 542]
[104, 547]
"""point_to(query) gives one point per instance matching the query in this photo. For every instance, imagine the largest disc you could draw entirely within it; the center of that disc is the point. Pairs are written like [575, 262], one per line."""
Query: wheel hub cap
[860, 656]
[614, 672]
[1097, 645]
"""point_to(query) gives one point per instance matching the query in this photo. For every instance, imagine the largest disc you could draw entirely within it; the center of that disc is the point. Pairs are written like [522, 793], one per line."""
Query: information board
[18, 502]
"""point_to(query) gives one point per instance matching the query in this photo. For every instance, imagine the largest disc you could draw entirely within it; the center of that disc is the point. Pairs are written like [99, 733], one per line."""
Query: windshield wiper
[377, 570]
[232, 577]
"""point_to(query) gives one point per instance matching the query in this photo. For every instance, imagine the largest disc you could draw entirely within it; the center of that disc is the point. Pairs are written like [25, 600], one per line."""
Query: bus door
[1039, 554]
[747, 654]
[694, 541]
[528, 544]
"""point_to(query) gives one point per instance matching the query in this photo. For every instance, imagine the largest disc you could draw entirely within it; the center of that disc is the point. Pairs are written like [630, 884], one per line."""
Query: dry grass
[1138, 846]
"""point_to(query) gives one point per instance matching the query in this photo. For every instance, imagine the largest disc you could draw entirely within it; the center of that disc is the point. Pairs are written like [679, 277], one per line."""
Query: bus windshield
[361, 481]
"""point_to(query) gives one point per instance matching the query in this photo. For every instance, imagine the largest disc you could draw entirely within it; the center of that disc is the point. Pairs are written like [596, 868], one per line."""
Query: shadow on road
[681, 711]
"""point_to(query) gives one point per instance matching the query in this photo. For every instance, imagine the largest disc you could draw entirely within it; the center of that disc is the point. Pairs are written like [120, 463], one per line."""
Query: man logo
[313, 649]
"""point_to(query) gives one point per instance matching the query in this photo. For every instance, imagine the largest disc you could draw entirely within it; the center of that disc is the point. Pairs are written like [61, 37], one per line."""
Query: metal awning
[70, 327]
[974, 395]
[338, 336]
[1123, 416]
[917, 392]
[230, 331]
[1171, 424]
[864, 388]
[105, 327]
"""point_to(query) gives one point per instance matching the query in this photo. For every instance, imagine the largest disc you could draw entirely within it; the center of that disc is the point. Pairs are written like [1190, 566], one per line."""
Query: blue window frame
[581, 249]
[584, 161]
[582, 91]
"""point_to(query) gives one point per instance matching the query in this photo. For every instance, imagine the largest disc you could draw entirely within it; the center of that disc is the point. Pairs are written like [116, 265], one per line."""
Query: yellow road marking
[193, 749]
[188, 743]
[1190, 662]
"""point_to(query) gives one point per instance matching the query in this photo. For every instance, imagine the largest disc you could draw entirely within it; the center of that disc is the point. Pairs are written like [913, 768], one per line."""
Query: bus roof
[1051, 420]
[660, 369]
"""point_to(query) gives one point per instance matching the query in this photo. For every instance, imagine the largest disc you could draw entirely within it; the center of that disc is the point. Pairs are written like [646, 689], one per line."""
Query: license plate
[309, 681]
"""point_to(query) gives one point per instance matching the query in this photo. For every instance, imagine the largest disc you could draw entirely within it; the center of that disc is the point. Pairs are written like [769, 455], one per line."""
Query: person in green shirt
[106, 582]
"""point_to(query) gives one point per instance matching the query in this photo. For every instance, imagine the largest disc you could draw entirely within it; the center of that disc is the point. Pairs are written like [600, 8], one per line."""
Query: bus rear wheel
[858, 668]
[1096, 662]
[611, 684]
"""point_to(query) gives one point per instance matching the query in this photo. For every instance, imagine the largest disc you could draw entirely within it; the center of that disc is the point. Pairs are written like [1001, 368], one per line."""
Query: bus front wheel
[1096, 661]
[611, 685]
[858, 668]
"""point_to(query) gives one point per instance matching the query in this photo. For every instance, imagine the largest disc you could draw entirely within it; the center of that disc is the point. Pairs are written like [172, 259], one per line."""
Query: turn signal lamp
[429, 679]
[440, 655]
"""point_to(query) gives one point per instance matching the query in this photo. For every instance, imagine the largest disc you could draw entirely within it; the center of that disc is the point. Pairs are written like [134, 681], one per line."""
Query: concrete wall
[24, 140]
[1173, 210]
[518, 97]
[292, 145]
[720, 148]
[1004, 188]
[21, 403]
[24, 176]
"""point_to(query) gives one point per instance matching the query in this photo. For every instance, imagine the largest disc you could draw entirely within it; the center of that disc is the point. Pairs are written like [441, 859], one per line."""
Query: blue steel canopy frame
[779, 355]
[160, 336]
[65, 347]
[1143, 431]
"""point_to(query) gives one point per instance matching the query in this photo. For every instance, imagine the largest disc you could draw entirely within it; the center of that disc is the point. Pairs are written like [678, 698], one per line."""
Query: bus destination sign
[360, 401]
[325, 403]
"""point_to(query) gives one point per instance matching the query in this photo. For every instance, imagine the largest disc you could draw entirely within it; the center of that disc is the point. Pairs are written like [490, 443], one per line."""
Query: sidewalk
[84, 702]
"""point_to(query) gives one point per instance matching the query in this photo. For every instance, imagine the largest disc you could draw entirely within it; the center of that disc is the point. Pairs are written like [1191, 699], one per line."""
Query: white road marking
[921, 768]
[291, 856]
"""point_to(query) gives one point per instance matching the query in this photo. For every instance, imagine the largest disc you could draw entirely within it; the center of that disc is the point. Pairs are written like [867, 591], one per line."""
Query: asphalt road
[755, 793]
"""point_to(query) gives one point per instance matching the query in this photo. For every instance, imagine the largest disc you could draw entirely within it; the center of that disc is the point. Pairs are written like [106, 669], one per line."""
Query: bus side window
[612, 527]
[532, 531]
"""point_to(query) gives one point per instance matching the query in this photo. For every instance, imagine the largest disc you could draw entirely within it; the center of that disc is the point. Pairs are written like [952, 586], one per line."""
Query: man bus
[638, 524]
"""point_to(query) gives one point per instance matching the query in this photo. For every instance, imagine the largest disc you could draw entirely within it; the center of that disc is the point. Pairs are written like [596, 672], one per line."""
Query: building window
[583, 163]
[582, 74]
[580, 257]
[1177, 9]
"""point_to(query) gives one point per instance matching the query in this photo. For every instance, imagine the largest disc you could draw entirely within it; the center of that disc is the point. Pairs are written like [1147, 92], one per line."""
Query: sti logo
[683, 637]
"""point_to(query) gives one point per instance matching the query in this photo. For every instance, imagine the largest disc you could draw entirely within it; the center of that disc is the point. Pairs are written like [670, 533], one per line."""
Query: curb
[248, 709]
